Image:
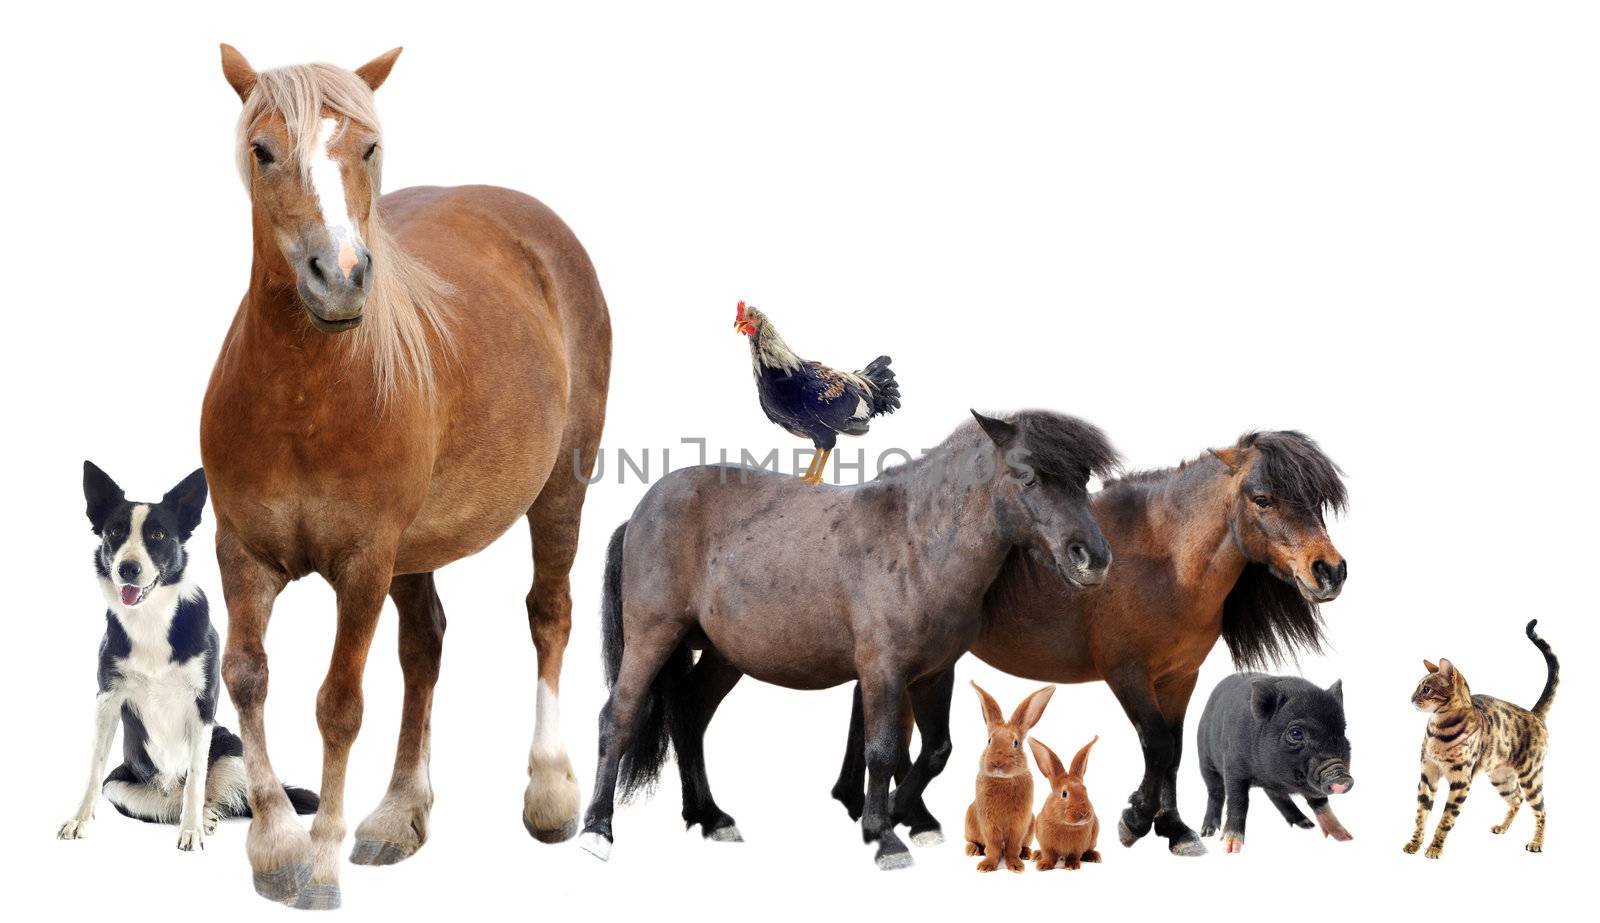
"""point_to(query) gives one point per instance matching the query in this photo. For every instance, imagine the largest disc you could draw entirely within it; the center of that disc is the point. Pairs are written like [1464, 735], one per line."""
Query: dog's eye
[114, 532]
[158, 536]
[263, 156]
[1261, 500]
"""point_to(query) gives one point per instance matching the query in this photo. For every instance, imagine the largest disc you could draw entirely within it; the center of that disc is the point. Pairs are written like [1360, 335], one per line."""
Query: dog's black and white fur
[159, 663]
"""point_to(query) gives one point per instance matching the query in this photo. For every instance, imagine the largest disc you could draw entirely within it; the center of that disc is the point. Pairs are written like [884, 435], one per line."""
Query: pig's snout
[1334, 778]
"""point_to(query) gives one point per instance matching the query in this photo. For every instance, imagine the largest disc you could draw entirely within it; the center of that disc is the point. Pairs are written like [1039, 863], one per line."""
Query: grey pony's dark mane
[1058, 446]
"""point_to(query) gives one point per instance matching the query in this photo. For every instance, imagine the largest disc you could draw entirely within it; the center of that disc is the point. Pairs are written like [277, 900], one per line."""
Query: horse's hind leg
[399, 825]
[361, 584]
[550, 803]
[709, 683]
[277, 846]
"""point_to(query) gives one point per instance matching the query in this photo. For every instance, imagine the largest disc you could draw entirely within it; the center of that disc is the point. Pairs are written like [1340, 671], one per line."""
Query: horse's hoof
[1187, 846]
[889, 861]
[728, 834]
[283, 885]
[597, 845]
[379, 852]
[560, 834]
[1127, 836]
[927, 837]
[318, 897]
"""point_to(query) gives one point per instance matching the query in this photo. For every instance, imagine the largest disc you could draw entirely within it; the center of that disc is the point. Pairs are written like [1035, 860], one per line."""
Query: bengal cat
[1469, 734]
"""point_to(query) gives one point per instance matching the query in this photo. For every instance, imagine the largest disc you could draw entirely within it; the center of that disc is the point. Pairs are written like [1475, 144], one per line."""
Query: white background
[1371, 221]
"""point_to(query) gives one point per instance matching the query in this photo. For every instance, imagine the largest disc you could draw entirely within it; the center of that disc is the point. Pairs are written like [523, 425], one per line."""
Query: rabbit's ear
[1049, 763]
[991, 708]
[1031, 710]
[1081, 761]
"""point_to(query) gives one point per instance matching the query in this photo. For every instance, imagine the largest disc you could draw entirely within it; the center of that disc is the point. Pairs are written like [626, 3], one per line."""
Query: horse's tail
[1542, 707]
[667, 704]
[885, 396]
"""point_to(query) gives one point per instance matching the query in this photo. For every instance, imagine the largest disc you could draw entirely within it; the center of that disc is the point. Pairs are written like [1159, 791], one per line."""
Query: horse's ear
[1430, 666]
[376, 71]
[1031, 710]
[991, 708]
[1230, 457]
[237, 71]
[1000, 432]
[1264, 698]
[1081, 761]
[1049, 763]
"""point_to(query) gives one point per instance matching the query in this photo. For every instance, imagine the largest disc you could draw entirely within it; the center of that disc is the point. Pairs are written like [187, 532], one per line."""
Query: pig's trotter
[1209, 828]
[1331, 827]
[1232, 842]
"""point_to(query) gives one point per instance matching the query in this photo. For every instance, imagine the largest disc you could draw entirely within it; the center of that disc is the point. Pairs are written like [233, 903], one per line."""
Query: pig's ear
[1264, 698]
[1430, 666]
[1337, 691]
[991, 708]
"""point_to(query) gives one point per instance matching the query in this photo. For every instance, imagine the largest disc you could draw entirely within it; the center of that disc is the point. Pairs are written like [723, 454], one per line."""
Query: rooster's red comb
[741, 310]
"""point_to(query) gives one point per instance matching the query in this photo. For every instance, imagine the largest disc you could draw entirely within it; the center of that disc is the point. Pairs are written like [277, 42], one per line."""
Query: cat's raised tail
[1542, 707]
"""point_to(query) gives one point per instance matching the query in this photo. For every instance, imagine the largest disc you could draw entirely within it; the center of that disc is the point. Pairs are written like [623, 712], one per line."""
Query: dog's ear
[187, 501]
[101, 494]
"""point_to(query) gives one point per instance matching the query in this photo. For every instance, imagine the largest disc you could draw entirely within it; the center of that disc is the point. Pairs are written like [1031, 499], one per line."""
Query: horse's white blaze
[547, 724]
[327, 183]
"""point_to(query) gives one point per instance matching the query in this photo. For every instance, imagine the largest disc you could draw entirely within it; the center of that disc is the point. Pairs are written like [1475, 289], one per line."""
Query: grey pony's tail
[1542, 707]
[668, 704]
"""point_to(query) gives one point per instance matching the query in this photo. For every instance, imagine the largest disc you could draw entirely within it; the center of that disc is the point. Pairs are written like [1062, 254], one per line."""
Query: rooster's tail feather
[885, 396]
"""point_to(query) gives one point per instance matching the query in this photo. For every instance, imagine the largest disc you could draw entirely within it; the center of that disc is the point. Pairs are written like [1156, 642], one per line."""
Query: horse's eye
[371, 149]
[263, 156]
[1261, 500]
[158, 536]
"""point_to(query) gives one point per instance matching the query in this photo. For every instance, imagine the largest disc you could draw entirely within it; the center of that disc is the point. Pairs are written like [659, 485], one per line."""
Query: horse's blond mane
[405, 320]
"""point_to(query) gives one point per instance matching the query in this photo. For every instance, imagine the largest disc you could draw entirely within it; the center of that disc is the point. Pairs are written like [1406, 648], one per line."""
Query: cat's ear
[1430, 666]
[1447, 669]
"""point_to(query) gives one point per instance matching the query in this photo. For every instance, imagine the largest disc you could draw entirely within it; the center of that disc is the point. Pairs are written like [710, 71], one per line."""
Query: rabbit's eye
[1016, 745]
[1063, 793]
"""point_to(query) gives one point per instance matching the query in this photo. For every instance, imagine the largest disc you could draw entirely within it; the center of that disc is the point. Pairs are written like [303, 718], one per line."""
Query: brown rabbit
[1067, 826]
[1000, 820]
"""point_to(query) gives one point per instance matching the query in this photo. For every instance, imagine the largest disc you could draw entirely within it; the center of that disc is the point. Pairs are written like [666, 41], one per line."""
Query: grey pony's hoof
[283, 885]
[728, 834]
[597, 845]
[318, 897]
[927, 837]
[1187, 846]
[889, 861]
[560, 834]
[379, 852]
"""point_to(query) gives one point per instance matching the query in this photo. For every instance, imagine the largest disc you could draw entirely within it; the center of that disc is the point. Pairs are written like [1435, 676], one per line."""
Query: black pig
[1281, 733]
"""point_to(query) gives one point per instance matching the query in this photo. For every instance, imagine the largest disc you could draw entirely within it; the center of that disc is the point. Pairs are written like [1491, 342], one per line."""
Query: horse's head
[1283, 487]
[310, 154]
[1041, 495]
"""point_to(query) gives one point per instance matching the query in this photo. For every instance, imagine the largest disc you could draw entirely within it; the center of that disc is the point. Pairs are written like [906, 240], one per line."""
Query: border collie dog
[159, 672]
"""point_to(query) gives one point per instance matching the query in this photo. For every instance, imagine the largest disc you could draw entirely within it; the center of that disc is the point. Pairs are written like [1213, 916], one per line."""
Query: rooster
[809, 399]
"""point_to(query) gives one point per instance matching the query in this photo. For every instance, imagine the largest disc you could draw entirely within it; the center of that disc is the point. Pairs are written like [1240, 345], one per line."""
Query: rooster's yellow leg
[814, 476]
[815, 456]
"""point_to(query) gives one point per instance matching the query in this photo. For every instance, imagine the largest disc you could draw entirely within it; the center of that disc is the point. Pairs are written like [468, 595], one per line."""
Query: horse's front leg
[399, 826]
[1172, 698]
[881, 696]
[930, 703]
[1134, 691]
[277, 846]
[361, 584]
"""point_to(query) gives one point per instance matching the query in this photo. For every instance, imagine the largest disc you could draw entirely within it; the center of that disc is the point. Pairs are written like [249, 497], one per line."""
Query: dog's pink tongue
[1339, 788]
[130, 594]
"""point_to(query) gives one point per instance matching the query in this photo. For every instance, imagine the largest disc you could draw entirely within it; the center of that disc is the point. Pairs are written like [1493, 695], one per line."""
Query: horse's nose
[1330, 577]
[1090, 559]
[128, 571]
[334, 279]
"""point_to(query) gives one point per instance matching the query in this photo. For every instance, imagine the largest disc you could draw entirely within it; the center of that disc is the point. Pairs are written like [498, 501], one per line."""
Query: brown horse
[404, 379]
[1233, 544]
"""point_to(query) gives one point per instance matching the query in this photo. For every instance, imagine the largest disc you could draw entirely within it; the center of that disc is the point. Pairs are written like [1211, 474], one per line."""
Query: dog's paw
[191, 838]
[75, 829]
